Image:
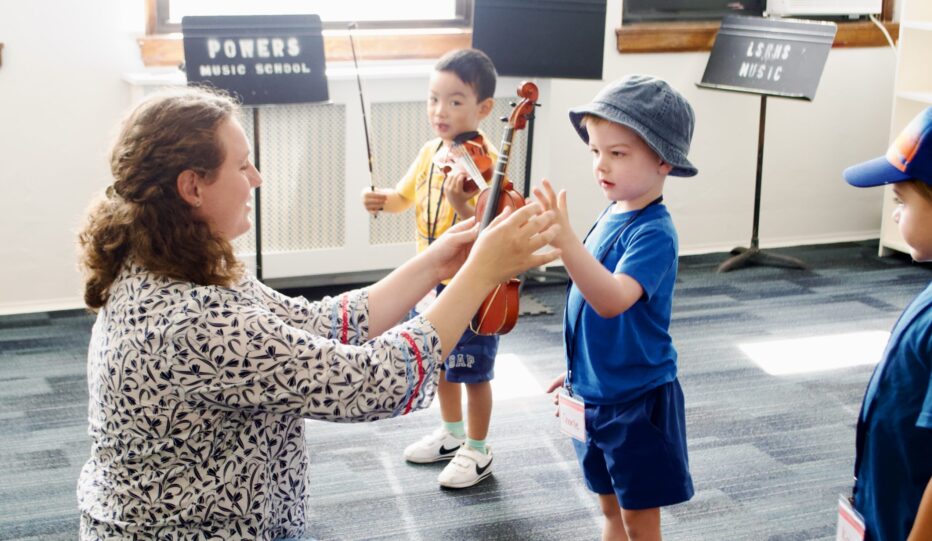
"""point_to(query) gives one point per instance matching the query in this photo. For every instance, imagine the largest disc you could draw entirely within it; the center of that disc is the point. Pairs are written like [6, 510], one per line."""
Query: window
[655, 26]
[369, 14]
[667, 10]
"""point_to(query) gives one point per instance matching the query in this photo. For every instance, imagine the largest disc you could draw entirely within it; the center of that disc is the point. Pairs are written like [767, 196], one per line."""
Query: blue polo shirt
[617, 359]
[894, 435]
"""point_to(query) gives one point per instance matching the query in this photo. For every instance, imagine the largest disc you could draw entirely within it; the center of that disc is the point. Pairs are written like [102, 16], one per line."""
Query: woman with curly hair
[200, 377]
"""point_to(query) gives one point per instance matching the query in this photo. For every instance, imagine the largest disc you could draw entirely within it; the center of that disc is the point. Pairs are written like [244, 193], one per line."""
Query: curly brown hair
[142, 215]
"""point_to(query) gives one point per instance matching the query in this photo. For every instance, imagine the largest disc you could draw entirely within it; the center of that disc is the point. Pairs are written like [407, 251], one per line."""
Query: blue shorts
[472, 359]
[637, 449]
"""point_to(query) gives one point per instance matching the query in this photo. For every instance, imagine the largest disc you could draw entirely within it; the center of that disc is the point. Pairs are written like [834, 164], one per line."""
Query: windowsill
[700, 36]
[168, 50]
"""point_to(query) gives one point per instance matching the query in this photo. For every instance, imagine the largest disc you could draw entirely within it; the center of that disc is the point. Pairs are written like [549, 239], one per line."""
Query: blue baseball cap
[654, 110]
[908, 158]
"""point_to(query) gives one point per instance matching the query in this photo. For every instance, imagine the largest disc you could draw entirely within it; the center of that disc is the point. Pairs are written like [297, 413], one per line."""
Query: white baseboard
[782, 242]
[44, 305]
[71, 303]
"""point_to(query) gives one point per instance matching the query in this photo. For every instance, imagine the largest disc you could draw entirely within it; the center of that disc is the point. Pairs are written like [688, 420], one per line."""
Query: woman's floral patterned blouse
[198, 396]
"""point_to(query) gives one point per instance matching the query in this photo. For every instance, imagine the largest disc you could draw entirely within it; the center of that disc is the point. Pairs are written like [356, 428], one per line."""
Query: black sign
[263, 59]
[769, 56]
[542, 38]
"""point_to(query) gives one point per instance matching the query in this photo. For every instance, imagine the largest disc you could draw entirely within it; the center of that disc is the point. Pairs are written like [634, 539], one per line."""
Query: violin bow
[362, 104]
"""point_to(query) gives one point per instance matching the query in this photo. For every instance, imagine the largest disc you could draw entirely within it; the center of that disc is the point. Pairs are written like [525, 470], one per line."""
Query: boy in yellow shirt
[460, 96]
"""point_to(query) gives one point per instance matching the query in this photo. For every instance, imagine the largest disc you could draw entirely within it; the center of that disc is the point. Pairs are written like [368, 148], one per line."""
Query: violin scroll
[529, 93]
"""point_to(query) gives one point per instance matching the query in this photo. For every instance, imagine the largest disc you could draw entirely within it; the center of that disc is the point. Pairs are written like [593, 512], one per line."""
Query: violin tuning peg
[512, 103]
[503, 118]
[536, 104]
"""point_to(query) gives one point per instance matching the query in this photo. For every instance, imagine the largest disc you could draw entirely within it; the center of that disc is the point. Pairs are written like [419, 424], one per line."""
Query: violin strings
[470, 166]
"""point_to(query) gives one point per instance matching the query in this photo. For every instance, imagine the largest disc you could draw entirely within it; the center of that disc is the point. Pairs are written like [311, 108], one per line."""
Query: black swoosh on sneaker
[444, 451]
[480, 471]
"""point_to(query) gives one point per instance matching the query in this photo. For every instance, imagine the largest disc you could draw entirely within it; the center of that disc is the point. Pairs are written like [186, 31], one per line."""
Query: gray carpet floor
[769, 454]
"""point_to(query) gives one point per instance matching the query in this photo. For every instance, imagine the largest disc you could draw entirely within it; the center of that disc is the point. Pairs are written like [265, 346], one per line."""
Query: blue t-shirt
[617, 359]
[894, 450]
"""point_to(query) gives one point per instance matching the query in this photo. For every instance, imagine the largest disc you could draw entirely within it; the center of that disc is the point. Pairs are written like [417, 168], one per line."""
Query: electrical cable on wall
[884, 30]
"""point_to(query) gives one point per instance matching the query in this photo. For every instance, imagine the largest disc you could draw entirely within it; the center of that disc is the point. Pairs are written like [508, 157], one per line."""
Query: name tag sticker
[850, 522]
[572, 417]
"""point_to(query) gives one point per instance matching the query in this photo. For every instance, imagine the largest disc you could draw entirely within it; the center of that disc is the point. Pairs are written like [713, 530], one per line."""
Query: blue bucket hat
[652, 108]
[908, 158]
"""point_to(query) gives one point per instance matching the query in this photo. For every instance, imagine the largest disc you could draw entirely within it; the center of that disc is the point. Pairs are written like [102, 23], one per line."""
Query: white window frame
[462, 19]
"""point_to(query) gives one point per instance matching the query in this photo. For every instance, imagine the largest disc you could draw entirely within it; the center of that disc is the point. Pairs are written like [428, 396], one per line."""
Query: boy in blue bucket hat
[893, 460]
[622, 401]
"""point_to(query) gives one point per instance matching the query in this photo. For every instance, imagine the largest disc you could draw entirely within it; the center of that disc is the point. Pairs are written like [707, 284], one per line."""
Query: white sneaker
[438, 445]
[467, 468]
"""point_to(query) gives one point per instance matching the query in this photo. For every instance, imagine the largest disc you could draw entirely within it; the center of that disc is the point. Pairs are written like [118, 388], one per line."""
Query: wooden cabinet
[912, 94]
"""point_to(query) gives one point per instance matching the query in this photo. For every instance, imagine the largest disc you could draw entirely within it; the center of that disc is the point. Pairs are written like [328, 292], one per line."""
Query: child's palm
[549, 199]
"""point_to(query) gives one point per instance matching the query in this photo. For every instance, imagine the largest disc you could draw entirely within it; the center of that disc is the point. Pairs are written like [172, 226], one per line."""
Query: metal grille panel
[303, 153]
[398, 131]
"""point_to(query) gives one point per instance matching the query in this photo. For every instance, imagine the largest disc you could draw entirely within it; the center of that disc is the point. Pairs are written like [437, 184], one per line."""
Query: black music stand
[770, 57]
[262, 60]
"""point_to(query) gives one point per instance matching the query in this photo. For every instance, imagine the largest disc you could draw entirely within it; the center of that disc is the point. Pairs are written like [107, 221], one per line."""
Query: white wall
[807, 145]
[61, 96]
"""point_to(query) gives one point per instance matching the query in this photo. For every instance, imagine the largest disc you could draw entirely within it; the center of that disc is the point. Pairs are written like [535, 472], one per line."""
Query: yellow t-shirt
[432, 212]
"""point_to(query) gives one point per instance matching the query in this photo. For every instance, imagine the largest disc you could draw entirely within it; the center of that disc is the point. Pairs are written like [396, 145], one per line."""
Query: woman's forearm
[506, 248]
[393, 296]
[451, 313]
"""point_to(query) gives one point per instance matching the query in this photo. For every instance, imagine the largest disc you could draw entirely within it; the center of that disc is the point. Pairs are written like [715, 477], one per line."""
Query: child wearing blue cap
[893, 461]
[621, 383]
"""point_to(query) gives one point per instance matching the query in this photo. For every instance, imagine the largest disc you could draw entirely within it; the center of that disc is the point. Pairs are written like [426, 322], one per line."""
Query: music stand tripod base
[747, 256]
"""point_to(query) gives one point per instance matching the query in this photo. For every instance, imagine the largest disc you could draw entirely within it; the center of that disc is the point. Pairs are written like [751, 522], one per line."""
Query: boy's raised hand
[548, 199]
[508, 245]
[459, 194]
[373, 200]
[557, 383]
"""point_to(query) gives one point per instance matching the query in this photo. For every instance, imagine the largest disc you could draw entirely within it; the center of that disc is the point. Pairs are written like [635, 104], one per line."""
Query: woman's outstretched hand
[449, 252]
[503, 250]
[507, 246]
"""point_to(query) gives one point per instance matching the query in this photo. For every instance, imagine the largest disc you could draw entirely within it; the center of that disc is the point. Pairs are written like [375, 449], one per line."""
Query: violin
[499, 311]
[467, 155]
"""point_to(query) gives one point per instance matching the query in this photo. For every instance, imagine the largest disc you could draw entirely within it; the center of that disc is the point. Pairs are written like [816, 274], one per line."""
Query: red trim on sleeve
[344, 305]
[420, 371]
